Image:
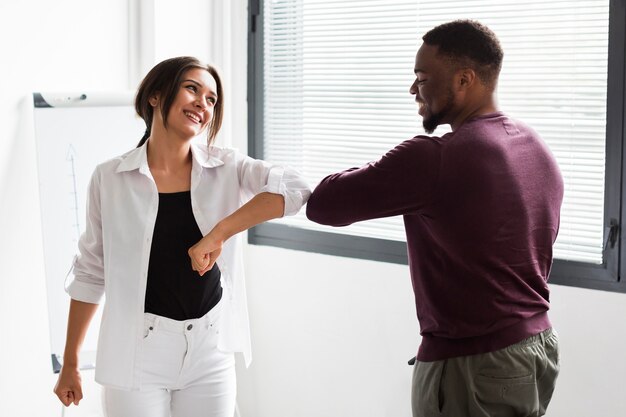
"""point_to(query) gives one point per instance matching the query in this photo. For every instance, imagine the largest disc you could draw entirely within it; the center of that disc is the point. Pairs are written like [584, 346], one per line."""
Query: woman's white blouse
[115, 249]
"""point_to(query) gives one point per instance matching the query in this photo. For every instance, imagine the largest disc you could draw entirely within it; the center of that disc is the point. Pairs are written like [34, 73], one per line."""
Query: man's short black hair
[468, 43]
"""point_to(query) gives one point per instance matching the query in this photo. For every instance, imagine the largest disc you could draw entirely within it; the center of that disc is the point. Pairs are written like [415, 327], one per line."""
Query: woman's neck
[167, 153]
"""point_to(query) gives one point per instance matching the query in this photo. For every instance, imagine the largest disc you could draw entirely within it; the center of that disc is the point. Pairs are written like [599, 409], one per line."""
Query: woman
[175, 307]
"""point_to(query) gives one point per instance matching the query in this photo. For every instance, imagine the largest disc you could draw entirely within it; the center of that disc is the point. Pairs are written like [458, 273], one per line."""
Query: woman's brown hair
[165, 79]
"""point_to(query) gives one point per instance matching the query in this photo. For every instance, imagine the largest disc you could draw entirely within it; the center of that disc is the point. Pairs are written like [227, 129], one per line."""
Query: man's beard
[431, 122]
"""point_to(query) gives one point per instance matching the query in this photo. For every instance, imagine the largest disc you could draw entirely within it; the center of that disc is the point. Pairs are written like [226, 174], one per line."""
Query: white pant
[183, 374]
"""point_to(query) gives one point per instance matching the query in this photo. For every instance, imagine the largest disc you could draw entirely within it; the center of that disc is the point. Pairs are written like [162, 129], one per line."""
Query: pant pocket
[550, 367]
[507, 391]
[148, 330]
[441, 384]
[428, 396]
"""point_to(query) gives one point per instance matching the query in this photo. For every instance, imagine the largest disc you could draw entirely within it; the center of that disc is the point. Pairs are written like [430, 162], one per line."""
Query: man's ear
[465, 78]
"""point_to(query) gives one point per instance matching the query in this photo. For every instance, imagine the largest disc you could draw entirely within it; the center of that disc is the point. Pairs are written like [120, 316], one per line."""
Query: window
[328, 90]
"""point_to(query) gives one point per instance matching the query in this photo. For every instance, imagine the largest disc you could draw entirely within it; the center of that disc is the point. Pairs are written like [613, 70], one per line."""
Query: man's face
[433, 88]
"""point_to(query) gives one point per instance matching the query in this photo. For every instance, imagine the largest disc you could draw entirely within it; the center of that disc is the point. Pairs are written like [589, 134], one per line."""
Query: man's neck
[480, 107]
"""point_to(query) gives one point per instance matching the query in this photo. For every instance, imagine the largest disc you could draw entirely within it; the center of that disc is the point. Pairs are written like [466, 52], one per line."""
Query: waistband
[542, 336]
[154, 322]
[433, 348]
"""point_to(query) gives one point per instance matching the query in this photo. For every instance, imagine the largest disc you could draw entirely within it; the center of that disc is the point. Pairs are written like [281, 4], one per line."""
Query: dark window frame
[607, 276]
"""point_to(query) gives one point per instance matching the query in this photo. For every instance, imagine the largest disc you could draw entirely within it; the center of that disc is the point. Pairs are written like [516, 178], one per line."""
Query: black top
[174, 289]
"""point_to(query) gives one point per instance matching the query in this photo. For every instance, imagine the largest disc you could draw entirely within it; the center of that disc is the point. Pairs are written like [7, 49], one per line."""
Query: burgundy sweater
[481, 212]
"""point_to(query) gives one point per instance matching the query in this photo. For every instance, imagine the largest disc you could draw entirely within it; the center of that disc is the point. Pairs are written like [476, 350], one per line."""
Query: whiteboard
[74, 132]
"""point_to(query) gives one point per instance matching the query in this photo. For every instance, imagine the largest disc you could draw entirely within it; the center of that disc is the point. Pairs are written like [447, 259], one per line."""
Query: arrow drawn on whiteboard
[71, 155]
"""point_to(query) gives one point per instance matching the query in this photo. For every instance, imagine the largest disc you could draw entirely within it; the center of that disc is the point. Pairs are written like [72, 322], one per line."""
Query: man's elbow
[323, 213]
[315, 211]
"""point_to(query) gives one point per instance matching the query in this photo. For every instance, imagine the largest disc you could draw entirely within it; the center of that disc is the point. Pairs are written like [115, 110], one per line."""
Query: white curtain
[337, 75]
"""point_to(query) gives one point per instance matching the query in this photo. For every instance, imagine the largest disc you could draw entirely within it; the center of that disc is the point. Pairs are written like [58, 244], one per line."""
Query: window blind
[336, 92]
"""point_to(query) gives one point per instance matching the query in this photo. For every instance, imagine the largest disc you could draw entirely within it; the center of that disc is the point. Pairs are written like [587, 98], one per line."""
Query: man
[481, 210]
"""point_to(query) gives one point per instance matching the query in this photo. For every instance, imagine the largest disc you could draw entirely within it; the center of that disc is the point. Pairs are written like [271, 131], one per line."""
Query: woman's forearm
[261, 208]
[78, 321]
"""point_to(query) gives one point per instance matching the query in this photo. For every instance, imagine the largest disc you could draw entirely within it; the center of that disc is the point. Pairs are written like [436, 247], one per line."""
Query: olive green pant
[517, 381]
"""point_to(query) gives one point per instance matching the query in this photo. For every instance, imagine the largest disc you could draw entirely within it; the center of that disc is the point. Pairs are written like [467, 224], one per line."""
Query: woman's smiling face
[192, 110]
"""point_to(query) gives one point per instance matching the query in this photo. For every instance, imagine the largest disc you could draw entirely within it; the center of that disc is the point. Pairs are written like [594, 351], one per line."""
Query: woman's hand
[262, 207]
[69, 387]
[204, 253]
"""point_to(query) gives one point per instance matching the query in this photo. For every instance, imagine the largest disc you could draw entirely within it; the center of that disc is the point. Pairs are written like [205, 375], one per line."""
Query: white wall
[70, 45]
[44, 45]
[331, 337]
